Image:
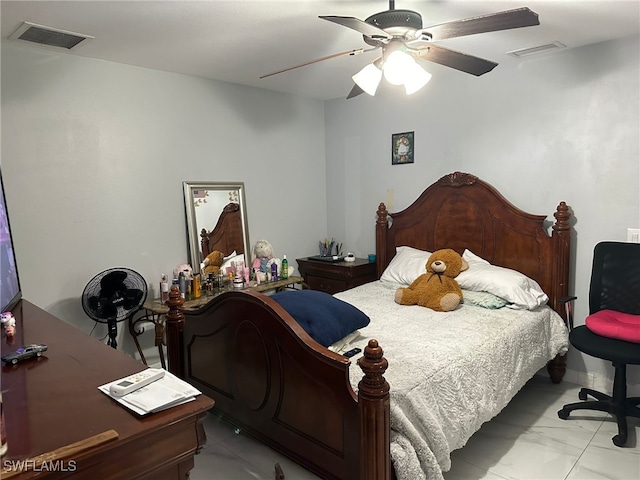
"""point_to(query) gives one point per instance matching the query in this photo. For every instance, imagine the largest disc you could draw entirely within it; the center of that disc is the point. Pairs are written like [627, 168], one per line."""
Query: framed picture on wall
[401, 148]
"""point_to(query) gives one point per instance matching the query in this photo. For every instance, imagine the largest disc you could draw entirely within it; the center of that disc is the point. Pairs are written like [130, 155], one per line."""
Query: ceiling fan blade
[359, 26]
[520, 17]
[355, 91]
[460, 61]
[328, 57]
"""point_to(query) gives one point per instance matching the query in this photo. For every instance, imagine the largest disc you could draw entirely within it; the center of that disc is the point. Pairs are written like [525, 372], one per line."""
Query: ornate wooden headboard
[461, 211]
[227, 235]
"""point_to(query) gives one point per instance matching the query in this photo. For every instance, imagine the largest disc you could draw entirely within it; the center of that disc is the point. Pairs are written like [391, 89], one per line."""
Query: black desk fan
[113, 296]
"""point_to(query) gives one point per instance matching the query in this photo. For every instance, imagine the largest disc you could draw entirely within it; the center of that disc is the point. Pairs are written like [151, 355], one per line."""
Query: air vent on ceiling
[524, 52]
[53, 37]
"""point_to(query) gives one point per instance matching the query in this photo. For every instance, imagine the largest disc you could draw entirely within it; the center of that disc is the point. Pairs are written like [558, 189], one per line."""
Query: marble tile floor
[526, 441]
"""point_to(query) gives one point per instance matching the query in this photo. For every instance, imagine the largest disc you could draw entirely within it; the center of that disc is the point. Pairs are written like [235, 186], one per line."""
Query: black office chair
[615, 293]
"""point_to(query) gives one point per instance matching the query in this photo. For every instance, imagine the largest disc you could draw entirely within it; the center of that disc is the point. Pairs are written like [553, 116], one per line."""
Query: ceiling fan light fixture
[417, 79]
[398, 67]
[368, 79]
[403, 39]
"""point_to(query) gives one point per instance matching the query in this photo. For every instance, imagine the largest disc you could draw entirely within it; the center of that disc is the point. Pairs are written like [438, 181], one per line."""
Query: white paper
[164, 393]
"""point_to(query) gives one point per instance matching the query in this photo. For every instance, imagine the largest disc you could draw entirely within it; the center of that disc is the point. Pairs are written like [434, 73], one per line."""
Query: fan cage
[132, 281]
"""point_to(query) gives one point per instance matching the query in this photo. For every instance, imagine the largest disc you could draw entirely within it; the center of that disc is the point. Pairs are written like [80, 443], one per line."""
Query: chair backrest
[615, 278]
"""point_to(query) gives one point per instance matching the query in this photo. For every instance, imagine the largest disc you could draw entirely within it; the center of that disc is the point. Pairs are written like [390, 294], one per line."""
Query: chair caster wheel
[563, 414]
[619, 441]
[582, 395]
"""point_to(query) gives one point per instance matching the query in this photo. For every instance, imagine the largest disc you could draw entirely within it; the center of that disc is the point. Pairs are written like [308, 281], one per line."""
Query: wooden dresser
[53, 402]
[336, 277]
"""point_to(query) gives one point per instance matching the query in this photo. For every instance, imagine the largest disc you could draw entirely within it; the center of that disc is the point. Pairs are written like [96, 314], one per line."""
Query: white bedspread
[449, 372]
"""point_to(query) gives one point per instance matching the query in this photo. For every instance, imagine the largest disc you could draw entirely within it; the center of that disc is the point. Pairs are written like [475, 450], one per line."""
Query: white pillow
[408, 264]
[519, 290]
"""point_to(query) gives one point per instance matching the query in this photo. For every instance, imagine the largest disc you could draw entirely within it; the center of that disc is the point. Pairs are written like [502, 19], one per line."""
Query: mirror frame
[193, 229]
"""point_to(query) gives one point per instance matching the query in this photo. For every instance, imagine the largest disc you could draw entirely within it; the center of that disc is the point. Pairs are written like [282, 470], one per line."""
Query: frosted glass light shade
[417, 78]
[368, 79]
[398, 67]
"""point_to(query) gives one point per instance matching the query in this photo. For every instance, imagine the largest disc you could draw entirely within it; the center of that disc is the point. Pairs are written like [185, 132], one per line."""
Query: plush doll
[213, 262]
[263, 252]
[9, 323]
[437, 289]
[186, 268]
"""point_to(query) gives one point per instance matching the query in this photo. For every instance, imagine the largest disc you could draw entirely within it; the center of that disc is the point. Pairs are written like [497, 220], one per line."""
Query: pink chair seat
[612, 324]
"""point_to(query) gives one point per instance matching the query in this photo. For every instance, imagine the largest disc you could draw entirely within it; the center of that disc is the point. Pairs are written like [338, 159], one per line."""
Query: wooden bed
[227, 236]
[277, 384]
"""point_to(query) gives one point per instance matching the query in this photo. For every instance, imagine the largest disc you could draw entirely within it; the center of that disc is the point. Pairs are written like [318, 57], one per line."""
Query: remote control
[352, 352]
[134, 382]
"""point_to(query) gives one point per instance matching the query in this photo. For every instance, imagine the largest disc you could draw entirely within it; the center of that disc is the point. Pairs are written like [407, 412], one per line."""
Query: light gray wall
[550, 128]
[94, 154]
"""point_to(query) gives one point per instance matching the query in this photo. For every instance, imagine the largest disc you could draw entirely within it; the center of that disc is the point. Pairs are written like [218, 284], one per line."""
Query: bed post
[562, 254]
[562, 246]
[374, 414]
[204, 243]
[382, 223]
[174, 329]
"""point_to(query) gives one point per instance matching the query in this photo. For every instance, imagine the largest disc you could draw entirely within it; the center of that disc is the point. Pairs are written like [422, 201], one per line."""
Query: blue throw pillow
[325, 318]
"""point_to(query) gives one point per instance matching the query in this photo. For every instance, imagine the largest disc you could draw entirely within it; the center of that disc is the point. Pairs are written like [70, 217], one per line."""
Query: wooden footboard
[270, 379]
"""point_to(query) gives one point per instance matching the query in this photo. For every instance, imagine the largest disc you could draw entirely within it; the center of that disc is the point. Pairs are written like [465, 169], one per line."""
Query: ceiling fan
[402, 39]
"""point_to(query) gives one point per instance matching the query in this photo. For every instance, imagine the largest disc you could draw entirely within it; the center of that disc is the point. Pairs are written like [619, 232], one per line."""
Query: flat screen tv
[10, 291]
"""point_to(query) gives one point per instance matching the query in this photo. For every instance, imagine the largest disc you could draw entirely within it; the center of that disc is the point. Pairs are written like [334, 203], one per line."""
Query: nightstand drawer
[327, 285]
[336, 277]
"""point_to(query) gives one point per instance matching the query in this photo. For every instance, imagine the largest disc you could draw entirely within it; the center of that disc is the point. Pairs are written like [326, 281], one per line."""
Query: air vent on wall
[53, 37]
[524, 52]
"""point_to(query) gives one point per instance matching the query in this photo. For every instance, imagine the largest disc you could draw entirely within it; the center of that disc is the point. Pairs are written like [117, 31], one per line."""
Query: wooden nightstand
[336, 277]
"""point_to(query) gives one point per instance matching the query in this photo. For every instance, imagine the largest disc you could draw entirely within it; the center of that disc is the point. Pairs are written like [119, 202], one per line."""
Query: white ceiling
[237, 41]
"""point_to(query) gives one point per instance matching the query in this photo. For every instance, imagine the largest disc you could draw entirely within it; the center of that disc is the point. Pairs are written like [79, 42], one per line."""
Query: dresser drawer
[327, 285]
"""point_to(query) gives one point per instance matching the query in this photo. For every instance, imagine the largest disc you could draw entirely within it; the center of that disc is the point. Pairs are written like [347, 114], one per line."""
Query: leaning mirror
[216, 220]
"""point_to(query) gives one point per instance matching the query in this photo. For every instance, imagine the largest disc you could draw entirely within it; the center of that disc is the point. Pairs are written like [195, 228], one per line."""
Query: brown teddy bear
[213, 262]
[437, 289]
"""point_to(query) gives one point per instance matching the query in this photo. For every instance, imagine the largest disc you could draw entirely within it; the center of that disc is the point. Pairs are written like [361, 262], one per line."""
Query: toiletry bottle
[238, 281]
[195, 286]
[164, 288]
[284, 270]
[210, 284]
[274, 272]
[182, 281]
[187, 281]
